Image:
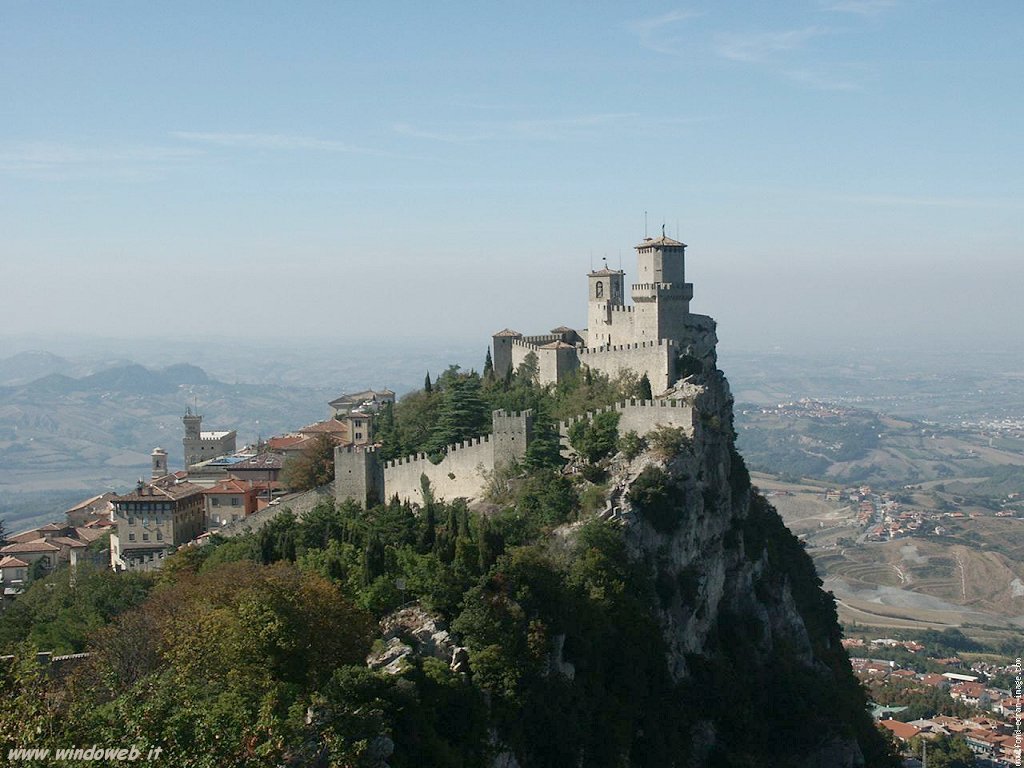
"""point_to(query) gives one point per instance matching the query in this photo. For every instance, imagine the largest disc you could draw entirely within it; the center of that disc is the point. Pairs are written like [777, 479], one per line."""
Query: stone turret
[159, 459]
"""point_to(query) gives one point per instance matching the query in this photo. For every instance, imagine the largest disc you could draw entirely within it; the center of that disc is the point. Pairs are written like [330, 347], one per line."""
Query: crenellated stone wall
[359, 474]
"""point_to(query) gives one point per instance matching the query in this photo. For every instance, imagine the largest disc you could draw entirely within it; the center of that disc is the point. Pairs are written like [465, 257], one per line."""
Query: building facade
[153, 521]
[200, 446]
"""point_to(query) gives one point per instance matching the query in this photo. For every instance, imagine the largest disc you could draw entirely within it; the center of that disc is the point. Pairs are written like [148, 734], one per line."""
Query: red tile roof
[12, 562]
[230, 486]
[328, 426]
[903, 731]
[66, 541]
[39, 545]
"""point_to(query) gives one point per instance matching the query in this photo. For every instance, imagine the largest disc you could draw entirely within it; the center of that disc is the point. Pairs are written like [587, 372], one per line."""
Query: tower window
[599, 289]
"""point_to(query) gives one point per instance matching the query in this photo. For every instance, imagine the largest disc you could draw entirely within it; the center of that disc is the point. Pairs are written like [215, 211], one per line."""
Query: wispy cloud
[761, 47]
[273, 141]
[859, 7]
[661, 33]
[543, 129]
[58, 160]
[825, 78]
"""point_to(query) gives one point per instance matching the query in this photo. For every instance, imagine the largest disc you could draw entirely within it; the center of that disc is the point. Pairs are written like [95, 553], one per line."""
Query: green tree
[313, 467]
[644, 388]
[595, 439]
[462, 415]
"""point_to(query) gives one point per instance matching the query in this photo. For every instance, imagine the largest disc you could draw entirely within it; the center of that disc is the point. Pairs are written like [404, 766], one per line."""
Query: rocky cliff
[750, 637]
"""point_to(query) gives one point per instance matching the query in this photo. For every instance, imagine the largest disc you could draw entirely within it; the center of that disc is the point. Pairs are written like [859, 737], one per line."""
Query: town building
[228, 502]
[154, 520]
[200, 446]
[368, 401]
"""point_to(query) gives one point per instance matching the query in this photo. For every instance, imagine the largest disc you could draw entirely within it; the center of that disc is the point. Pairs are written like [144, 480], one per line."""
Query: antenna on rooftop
[645, 225]
[663, 230]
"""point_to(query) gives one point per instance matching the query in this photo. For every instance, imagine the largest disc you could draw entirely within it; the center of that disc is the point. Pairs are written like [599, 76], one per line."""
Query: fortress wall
[655, 358]
[460, 473]
[520, 349]
[359, 474]
[556, 364]
[641, 416]
[543, 339]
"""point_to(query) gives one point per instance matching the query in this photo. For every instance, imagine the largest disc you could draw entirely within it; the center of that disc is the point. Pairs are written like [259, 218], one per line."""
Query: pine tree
[427, 386]
[463, 414]
[644, 388]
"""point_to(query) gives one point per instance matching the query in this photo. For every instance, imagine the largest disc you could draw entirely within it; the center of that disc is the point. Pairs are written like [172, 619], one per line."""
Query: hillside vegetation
[253, 650]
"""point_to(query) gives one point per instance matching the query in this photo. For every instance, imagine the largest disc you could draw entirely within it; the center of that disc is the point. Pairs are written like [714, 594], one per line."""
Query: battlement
[539, 341]
[621, 307]
[625, 347]
[414, 458]
[528, 344]
[356, 449]
[653, 407]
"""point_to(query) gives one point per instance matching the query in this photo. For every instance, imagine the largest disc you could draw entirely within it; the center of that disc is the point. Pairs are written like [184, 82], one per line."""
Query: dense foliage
[251, 650]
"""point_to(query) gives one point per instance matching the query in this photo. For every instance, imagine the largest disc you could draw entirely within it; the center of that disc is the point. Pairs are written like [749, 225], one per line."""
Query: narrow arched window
[599, 289]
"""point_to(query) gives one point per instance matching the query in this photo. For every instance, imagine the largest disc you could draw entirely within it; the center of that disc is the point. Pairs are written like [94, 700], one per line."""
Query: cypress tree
[644, 388]
[427, 386]
[488, 365]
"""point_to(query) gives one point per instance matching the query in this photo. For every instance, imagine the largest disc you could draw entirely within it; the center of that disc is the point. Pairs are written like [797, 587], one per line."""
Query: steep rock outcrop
[749, 634]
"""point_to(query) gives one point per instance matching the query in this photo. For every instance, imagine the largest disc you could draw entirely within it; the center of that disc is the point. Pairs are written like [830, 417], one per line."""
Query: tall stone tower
[605, 295]
[502, 343]
[661, 294]
[192, 442]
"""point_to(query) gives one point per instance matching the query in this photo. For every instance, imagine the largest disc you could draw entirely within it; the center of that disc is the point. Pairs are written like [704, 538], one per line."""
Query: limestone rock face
[730, 589]
[413, 630]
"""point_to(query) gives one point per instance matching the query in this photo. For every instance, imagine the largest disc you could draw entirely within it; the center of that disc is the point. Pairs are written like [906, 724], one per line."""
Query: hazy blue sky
[845, 170]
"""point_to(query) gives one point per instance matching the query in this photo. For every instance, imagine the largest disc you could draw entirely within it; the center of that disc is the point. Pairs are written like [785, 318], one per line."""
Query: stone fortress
[656, 335]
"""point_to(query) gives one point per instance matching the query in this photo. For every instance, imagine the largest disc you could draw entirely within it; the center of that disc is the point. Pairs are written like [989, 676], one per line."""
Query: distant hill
[855, 445]
[28, 366]
[64, 434]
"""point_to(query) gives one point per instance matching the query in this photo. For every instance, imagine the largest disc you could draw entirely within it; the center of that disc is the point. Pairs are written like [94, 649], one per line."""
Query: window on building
[599, 289]
[235, 501]
[159, 535]
[359, 435]
[131, 537]
[216, 501]
[145, 537]
[131, 520]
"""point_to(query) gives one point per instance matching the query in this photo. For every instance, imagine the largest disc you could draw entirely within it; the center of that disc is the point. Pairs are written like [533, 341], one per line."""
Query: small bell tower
[606, 289]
